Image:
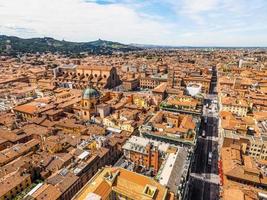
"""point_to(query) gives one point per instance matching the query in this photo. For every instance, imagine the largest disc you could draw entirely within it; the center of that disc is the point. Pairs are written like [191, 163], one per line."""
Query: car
[203, 133]
[209, 158]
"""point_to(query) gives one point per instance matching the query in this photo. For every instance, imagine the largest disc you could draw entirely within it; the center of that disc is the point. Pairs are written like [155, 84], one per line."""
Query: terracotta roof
[123, 178]
[160, 88]
[100, 68]
[234, 102]
[47, 192]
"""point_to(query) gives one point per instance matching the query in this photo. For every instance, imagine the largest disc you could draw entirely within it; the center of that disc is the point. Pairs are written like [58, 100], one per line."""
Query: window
[85, 113]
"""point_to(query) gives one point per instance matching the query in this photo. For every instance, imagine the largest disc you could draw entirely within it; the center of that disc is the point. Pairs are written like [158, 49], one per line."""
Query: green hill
[15, 45]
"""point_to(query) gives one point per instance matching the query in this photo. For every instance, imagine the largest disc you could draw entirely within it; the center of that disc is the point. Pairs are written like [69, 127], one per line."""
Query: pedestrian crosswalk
[212, 138]
[211, 178]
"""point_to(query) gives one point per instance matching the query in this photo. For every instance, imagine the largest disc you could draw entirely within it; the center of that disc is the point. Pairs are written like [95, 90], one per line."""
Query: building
[237, 106]
[239, 174]
[80, 76]
[33, 109]
[257, 148]
[88, 104]
[119, 123]
[118, 183]
[18, 150]
[61, 185]
[171, 127]
[182, 104]
[174, 78]
[151, 82]
[103, 110]
[146, 153]
[141, 101]
[12, 184]
[249, 129]
[130, 82]
[160, 91]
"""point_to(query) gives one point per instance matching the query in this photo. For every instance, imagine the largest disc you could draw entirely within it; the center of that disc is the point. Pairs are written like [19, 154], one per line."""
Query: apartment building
[118, 183]
[152, 81]
[183, 104]
[12, 184]
[239, 173]
[171, 127]
[237, 106]
[18, 150]
[145, 152]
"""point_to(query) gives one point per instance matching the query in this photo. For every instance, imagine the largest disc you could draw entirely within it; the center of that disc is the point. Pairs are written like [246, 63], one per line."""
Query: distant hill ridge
[15, 45]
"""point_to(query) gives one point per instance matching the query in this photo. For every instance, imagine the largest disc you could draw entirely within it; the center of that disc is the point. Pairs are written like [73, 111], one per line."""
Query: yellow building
[118, 183]
[12, 185]
[124, 125]
[128, 126]
[140, 102]
[110, 122]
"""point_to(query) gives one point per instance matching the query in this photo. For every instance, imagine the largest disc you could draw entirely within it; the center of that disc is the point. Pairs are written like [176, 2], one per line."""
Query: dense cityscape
[133, 100]
[154, 123]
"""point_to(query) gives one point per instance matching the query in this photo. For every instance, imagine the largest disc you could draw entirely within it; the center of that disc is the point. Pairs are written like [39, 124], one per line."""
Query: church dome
[90, 93]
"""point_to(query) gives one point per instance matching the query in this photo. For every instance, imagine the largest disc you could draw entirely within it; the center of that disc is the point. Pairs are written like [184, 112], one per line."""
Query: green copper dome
[90, 93]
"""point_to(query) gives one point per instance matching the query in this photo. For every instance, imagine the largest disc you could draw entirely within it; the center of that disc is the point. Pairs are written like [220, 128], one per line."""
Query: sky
[158, 22]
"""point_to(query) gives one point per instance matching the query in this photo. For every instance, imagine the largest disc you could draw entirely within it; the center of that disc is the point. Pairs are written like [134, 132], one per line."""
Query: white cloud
[213, 22]
[194, 9]
[198, 6]
[80, 21]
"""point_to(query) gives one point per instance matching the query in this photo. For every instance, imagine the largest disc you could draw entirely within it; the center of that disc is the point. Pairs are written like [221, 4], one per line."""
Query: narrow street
[204, 180]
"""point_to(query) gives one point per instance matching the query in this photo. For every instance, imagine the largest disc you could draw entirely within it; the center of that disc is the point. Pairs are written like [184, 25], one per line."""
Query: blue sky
[166, 22]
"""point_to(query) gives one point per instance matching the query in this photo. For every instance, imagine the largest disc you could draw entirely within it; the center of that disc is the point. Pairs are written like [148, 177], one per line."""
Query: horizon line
[146, 45]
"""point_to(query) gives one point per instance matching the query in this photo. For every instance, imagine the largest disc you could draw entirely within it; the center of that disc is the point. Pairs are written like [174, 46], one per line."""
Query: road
[206, 188]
